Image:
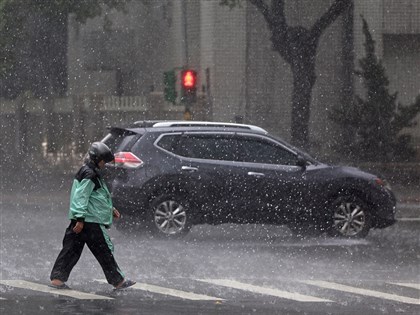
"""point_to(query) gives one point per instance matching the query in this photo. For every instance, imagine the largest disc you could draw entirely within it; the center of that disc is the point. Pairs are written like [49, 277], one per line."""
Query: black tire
[349, 217]
[169, 216]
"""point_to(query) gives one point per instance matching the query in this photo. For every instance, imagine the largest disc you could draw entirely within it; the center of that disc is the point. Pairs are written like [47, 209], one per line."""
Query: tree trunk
[303, 68]
[297, 45]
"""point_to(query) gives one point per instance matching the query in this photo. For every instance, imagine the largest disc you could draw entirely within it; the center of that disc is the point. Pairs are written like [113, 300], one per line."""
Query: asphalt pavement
[232, 269]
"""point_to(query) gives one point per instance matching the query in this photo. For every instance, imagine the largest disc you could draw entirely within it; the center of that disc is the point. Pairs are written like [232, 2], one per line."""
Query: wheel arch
[350, 186]
[352, 195]
[164, 185]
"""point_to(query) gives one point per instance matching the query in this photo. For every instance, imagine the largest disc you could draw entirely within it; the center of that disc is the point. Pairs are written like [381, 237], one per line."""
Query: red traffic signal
[188, 86]
[189, 79]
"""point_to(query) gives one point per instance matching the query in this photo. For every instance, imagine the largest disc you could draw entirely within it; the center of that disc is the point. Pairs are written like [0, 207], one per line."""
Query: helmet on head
[99, 151]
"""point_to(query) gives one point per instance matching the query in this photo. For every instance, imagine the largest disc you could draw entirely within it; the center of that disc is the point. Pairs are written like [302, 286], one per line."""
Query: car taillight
[127, 160]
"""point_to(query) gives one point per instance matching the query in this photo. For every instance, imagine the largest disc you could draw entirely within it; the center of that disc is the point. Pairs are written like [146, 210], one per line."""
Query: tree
[33, 55]
[297, 46]
[377, 120]
[33, 42]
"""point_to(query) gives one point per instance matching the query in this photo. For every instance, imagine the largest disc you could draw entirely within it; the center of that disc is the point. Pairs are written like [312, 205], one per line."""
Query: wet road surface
[233, 269]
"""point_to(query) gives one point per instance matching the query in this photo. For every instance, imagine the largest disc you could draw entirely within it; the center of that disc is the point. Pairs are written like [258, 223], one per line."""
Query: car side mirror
[301, 162]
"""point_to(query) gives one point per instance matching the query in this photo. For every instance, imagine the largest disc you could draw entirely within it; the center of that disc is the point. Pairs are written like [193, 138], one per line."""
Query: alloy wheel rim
[170, 217]
[349, 219]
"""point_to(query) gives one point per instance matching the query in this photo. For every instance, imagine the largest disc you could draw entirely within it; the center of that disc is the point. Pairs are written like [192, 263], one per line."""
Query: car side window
[255, 150]
[210, 147]
[169, 142]
[227, 148]
[199, 146]
[194, 147]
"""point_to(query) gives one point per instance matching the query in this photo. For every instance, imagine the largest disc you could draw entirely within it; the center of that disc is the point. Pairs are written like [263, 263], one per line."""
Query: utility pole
[185, 31]
[185, 98]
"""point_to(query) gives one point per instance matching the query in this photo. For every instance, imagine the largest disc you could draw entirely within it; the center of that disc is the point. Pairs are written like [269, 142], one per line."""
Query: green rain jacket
[90, 199]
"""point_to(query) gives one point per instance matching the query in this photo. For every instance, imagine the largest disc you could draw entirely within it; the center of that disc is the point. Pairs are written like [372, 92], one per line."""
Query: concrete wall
[223, 41]
[269, 80]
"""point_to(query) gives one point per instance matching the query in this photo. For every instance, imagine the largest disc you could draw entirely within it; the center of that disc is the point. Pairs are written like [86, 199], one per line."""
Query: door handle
[189, 168]
[256, 174]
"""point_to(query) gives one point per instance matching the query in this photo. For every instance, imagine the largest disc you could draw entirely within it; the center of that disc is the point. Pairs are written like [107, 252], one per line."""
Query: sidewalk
[44, 189]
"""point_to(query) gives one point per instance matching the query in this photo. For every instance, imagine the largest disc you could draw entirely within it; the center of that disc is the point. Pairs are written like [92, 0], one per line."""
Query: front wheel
[169, 216]
[349, 217]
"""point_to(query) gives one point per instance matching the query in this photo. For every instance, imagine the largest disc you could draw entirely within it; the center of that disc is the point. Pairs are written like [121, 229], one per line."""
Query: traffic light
[169, 81]
[189, 85]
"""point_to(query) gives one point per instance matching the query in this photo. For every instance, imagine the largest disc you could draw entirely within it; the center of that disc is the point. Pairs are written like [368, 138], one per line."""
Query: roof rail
[144, 123]
[183, 123]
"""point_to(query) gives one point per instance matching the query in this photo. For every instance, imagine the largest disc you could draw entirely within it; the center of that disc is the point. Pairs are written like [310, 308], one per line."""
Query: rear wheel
[169, 216]
[349, 218]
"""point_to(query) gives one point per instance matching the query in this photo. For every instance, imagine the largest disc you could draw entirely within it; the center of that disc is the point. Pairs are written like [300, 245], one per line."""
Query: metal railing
[66, 105]
[125, 103]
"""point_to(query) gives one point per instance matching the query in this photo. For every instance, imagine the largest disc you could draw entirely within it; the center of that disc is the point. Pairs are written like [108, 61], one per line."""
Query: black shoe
[126, 284]
[59, 287]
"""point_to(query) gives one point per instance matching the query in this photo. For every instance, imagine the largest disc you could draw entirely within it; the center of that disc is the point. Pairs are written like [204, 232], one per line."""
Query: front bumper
[384, 208]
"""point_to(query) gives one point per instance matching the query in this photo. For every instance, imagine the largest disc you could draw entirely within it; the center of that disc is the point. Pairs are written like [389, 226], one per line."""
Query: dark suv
[171, 175]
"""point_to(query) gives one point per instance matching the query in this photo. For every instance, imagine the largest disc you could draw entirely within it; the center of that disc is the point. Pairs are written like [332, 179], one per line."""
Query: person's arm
[80, 201]
[78, 227]
[116, 213]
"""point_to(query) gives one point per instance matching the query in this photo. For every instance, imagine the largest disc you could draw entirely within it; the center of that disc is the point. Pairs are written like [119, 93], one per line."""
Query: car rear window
[120, 140]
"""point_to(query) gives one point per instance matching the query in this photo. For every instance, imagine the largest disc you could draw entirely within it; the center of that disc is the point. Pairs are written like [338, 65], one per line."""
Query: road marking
[408, 285]
[172, 292]
[408, 219]
[263, 290]
[2, 298]
[408, 205]
[46, 289]
[367, 292]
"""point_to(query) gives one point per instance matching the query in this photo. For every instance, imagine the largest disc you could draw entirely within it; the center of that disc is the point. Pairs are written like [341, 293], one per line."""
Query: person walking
[91, 213]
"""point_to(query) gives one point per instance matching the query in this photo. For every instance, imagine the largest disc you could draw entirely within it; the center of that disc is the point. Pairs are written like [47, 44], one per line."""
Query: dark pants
[99, 243]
